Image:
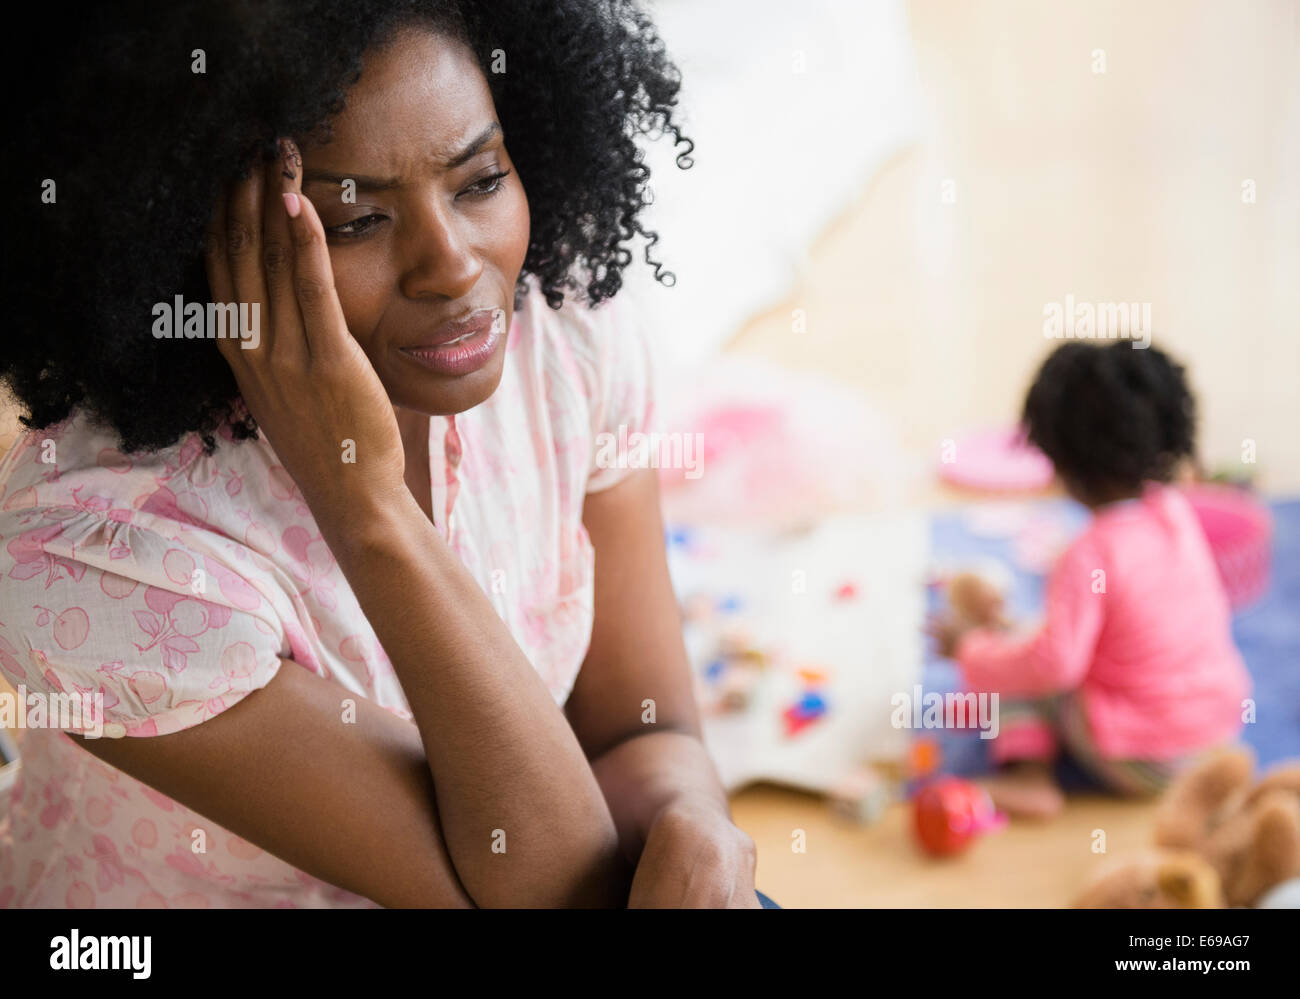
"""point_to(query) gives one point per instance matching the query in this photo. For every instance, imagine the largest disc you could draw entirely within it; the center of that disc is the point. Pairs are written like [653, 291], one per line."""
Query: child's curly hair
[139, 145]
[1111, 417]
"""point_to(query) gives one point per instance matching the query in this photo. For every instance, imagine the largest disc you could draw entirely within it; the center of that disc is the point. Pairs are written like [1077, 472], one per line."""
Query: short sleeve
[111, 629]
[623, 407]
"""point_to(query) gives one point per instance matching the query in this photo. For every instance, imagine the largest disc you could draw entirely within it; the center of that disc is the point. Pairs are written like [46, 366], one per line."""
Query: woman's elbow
[578, 873]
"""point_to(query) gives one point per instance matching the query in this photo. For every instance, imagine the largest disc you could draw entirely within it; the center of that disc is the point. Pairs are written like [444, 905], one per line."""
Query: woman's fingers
[282, 174]
[243, 234]
[265, 246]
[220, 283]
[318, 302]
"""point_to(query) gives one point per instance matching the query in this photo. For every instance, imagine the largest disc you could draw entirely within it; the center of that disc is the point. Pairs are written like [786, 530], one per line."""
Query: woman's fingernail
[291, 204]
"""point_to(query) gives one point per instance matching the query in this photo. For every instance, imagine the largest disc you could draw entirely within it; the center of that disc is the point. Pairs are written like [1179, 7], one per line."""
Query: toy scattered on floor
[950, 813]
[923, 758]
[1155, 879]
[861, 796]
[797, 640]
[810, 706]
[1222, 838]
[803, 713]
[1248, 829]
[811, 677]
[731, 677]
[730, 604]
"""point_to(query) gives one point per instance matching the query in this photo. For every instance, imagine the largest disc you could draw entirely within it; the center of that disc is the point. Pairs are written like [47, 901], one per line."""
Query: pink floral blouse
[173, 584]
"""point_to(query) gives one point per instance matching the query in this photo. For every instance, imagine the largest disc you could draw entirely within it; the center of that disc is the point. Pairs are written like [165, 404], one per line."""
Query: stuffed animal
[977, 600]
[1222, 839]
[1248, 830]
[1157, 879]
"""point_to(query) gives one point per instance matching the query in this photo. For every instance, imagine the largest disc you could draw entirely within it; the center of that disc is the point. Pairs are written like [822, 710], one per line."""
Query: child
[1133, 671]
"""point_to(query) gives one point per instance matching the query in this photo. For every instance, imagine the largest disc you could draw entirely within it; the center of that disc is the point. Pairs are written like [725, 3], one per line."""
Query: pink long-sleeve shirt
[1138, 623]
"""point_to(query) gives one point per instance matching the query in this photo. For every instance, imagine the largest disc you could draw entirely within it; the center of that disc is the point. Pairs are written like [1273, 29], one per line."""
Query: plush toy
[1222, 838]
[1157, 879]
[977, 600]
[1248, 830]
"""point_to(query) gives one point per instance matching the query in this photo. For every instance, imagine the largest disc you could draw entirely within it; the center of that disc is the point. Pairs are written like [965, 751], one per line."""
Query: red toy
[950, 813]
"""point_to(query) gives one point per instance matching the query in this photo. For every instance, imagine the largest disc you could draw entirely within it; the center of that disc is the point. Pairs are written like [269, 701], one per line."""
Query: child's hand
[948, 629]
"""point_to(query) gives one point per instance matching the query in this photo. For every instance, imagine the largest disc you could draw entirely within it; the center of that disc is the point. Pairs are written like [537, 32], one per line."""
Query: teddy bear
[976, 599]
[1222, 839]
[1156, 879]
[1248, 830]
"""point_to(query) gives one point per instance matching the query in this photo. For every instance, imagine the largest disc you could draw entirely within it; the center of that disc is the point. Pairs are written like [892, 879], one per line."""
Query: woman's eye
[356, 227]
[488, 185]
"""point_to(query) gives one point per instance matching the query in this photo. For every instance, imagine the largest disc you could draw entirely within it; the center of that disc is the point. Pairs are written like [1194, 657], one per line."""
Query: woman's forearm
[523, 816]
[642, 775]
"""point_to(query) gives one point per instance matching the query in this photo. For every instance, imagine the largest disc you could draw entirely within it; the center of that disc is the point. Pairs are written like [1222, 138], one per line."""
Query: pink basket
[1240, 531]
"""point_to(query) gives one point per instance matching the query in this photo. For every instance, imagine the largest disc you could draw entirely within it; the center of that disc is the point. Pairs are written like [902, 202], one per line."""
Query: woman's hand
[695, 858]
[307, 383]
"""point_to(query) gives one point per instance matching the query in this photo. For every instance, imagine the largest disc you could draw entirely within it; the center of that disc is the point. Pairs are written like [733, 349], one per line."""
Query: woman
[368, 624]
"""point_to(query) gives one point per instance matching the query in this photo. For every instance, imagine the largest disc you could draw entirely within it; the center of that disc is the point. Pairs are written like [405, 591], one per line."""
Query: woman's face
[429, 246]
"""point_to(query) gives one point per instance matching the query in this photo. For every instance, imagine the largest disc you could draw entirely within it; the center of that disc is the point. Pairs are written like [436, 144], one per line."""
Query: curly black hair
[139, 144]
[1111, 417]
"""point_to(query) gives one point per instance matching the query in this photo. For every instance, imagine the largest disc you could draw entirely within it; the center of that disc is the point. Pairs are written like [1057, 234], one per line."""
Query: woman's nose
[442, 260]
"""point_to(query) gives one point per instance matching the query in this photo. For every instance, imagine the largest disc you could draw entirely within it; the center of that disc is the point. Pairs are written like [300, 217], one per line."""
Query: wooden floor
[1122, 186]
[880, 866]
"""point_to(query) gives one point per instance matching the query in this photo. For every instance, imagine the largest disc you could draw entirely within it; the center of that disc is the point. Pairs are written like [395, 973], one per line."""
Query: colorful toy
[923, 757]
[730, 676]
[677, 536]
[811, 704]
[810, 676]
[803, 713]
[1225, 837]
[730, 604]
[950, 813]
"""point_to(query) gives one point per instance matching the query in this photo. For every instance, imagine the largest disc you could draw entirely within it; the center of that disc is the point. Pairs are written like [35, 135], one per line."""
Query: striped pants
[1041, 728]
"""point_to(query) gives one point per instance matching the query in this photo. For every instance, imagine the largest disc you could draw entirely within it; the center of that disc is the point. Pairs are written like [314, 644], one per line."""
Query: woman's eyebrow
[474, 145]
[388, 183]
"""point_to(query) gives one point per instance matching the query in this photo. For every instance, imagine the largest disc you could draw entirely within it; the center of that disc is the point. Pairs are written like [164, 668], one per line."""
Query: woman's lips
[462, 347]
